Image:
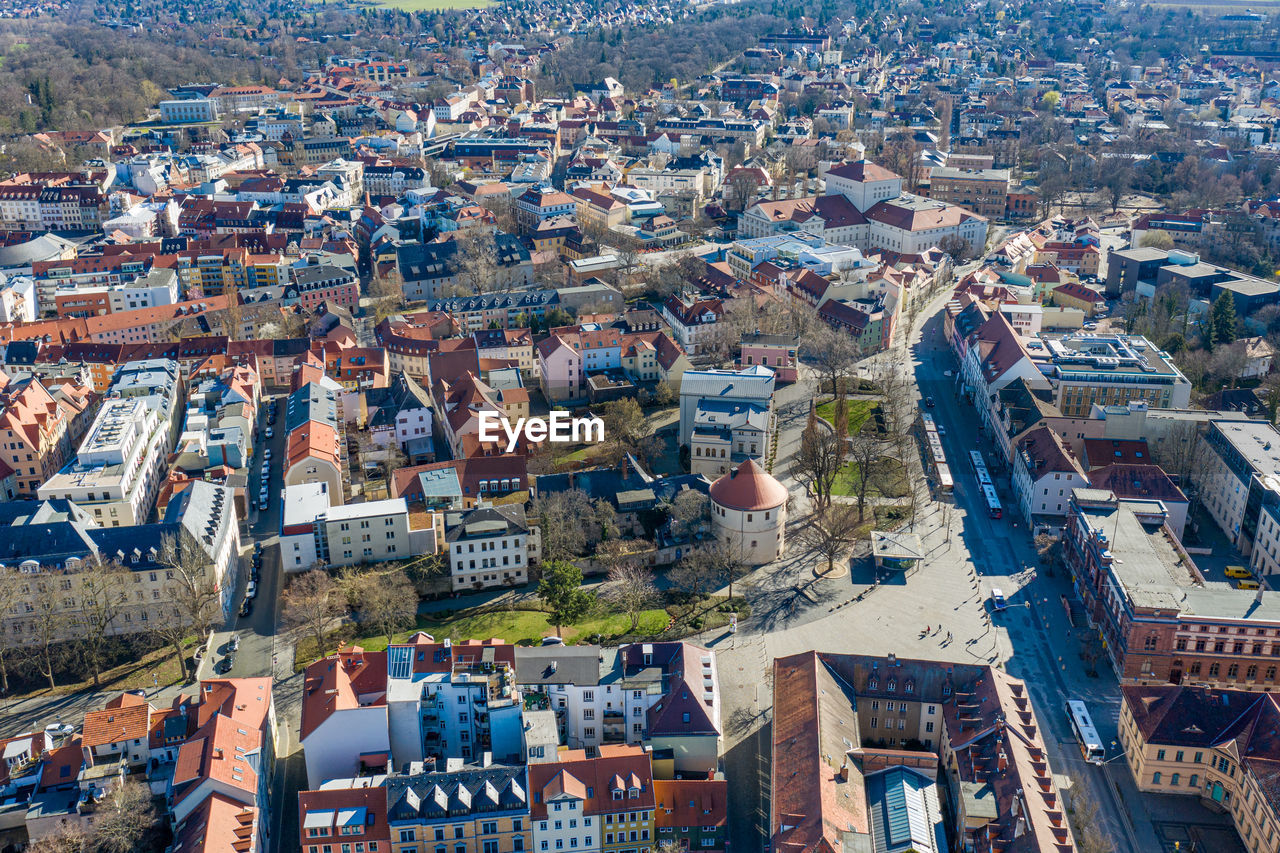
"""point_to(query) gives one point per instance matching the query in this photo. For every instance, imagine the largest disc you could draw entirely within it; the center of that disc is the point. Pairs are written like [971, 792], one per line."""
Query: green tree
[1222, 319]
[561, 591]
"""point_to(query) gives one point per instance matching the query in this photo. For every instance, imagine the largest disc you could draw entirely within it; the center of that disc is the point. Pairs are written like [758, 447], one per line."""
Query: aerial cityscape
[708, 426]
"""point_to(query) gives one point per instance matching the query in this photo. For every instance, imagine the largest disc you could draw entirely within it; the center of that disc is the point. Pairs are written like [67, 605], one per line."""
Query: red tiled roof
[126, 717]
[748, 487]
[690, 802]
[617, 764]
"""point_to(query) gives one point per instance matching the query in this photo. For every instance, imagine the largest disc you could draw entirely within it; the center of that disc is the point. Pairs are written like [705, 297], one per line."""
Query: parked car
[224, 665]
[552, 641]
[251, 590]
[270, 432]
[246, 608]
[997, 599]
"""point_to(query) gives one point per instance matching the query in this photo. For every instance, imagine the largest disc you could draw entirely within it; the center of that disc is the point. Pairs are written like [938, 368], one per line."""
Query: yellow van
[1238, 572]
[1247, 584]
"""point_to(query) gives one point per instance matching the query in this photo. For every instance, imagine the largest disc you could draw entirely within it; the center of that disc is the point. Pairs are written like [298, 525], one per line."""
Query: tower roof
[747, 488]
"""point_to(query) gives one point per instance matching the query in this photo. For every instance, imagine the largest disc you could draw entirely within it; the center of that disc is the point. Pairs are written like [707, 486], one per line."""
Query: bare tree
[1182, 452]
[388, 293]
[47, 620]
[476, 260]
[128, 816]
[956, 246]
[1089, 836]
[833, 353]
[694, 574]
[1156, 238]
[628, 431]
[10, 596]
[740, 190]
[630, 586]
[67, 838]
[688, 511]
[311, 604]
[831, 532]
[560, 519]
[818, 463]
[629, 258]
[191, 597]
[709, 567]
[386, 600]
[103, 591]
[900, 155]
[866, 448]
[1229, 362]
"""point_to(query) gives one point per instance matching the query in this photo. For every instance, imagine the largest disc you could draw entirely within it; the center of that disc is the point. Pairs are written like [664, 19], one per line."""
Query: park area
[525, 623]
[886, 476]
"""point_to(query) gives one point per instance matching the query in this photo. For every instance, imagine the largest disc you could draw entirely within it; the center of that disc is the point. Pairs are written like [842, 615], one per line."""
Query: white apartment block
[17, 299]
[567, 828]
[312, 531]
[1238, 476]
[119, 466]
[490, 547]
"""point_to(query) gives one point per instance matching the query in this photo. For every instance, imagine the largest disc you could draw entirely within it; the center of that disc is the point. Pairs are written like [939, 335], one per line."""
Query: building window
[1155, 778]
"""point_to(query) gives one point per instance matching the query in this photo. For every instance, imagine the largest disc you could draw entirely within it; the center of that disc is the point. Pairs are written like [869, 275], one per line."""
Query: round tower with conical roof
[749, 513]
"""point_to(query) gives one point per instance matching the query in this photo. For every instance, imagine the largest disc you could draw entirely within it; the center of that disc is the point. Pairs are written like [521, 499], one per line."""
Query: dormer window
[873, 684]
[617, 793]
[633, 793]
[893, 685]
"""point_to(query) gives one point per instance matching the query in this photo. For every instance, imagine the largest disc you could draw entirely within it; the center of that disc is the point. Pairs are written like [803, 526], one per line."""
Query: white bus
[1086, 734]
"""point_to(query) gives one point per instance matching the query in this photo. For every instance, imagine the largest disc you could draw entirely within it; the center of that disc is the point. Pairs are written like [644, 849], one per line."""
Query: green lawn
[887, 474]
[514, 626]
[531, 626]
[859, 411]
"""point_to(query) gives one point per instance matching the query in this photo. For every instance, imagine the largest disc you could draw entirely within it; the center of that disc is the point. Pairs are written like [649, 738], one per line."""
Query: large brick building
[1159, 619]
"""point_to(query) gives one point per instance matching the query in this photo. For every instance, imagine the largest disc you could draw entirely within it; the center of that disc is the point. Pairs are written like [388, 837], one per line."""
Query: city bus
[976, 460]
[1086, 734]
[945, 484]
[993, 502]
